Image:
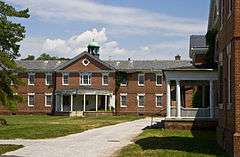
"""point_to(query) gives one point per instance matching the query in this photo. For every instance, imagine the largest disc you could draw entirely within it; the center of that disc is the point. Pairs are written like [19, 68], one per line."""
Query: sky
[136, 29]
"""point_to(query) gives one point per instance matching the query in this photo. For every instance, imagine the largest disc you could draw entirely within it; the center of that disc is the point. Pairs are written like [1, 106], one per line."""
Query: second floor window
[85, 79]
[158, 79]
[48, 77]
[141, 79]
[31, 78]
[65, 77]
[104, 79]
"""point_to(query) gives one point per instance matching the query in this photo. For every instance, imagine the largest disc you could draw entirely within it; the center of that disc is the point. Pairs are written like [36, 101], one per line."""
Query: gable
[85, 63]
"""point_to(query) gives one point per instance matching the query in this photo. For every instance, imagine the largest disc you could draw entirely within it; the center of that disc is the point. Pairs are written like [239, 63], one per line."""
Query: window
[85, 62]
[85, 79]
[159, 100]
[123, 100]
[48, 78]
[140, 99]
[65, 77]
[141, 79]
[158, 79]
[48, 99]
[31, 99]
[124, 81]
[104, 79]
[229, 50]
[31, 78]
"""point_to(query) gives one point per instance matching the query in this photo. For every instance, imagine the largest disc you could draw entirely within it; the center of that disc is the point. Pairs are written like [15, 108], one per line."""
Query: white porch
[84, 100]
[175, 80]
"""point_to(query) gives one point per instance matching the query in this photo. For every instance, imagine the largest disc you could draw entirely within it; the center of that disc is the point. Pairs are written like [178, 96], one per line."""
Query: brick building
[87, 83]
[224, 18]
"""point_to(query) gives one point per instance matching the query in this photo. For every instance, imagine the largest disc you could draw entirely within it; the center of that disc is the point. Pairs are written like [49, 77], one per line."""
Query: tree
[29, 57]
[46, 56]
[10, 35]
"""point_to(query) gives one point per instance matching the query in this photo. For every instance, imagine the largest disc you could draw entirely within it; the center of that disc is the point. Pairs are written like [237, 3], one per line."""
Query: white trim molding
[138, 95]
[31, 94]
[158, 95]
[31, 74]
[105, 74]
[123, 94]
[65, 74]
[81, 79]
[48, 94]
[139, 75]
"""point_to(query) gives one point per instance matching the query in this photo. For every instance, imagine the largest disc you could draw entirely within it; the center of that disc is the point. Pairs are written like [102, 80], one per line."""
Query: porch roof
[84, 90]
[191, 73]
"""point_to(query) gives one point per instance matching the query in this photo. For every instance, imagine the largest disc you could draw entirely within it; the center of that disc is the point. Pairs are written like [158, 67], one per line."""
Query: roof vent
[177, 58]
[45, 62]
[117, 64]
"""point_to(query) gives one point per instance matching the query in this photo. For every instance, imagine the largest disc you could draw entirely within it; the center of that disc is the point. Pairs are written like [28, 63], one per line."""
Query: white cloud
[126, 17]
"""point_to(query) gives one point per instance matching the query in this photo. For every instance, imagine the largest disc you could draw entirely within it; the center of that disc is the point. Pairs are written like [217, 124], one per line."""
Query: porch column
[168, 99]
[71, 109]
[84, 102]
[105, 102]
[61, 102]
[96, 102]
[178, 98]
[211, 98]
[203, 96]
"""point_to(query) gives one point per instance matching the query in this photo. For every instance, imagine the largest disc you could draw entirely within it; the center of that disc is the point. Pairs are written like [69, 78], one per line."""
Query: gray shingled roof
[148, 64]
[198, 41]
[39, 65]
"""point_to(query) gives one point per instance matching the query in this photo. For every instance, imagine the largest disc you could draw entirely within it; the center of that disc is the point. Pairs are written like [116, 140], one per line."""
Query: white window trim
[122, 94]
[46, 74]
[47, 94]
[156, 80]
[30, 94]
[65, 73]
[105, 74]
[138, 79]
[83, 62]
[33, 74]
[161, 95]
[89, 79]
[138, 100]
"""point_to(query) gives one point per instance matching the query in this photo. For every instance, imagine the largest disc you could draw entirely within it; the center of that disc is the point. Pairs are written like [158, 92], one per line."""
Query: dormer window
[141, 79]
[85, 78]
[158, 80]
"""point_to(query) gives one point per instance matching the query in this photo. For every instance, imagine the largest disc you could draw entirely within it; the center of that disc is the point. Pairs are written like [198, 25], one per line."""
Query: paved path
[100, 142]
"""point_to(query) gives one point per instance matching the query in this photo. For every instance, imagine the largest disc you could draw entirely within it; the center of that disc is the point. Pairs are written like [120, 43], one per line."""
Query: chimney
[177, 58]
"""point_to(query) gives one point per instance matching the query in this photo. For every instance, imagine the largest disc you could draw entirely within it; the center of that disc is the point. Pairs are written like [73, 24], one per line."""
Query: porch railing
[192, 112]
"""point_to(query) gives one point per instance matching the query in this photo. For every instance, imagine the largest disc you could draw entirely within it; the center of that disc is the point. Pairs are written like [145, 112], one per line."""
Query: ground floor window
[123, 100]
[140, 99]
[48, 99]
[31, 99]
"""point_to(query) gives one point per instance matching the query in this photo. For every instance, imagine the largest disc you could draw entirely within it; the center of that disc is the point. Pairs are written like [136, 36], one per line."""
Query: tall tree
[46, 56]
[10, 35]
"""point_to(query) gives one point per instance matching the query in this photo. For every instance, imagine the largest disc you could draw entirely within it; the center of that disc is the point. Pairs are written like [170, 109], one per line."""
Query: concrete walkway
[100, 142]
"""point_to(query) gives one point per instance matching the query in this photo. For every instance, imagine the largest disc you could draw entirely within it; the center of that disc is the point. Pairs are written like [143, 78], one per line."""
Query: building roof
[40, 65]
[152, 65]
[197, 45]
[133, 65]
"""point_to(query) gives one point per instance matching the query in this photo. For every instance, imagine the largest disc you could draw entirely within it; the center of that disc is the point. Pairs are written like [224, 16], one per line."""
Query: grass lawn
[173, 143]
[43, 126]
[4, 148]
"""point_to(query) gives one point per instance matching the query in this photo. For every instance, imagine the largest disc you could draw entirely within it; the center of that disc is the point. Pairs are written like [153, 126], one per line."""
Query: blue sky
[139, 29]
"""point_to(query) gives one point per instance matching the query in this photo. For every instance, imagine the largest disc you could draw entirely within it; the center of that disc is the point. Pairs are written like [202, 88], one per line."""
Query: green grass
[173, 143]
[43, 126]
[4, 148]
